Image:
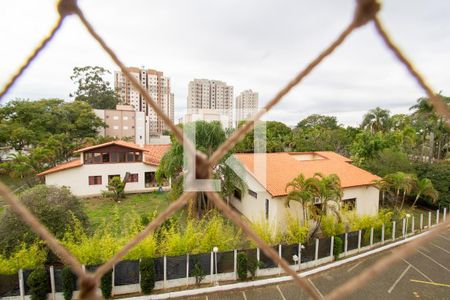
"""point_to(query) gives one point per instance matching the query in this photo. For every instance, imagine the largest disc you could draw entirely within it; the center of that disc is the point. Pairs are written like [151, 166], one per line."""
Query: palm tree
[383, 186]
[376, 120]
[208, 137]
[424, 187]
[327, 190]
[402, 183]
[298, 192]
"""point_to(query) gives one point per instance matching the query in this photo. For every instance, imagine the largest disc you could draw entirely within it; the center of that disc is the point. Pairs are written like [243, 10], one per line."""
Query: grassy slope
[99, 208]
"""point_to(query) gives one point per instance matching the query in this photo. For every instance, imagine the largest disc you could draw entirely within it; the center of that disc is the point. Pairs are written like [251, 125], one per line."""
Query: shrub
[106, 285]
[252, 266]
[242, 266]
[267, 231]
[25, 257]
[331, 226]
[338, 247]
[38, 283]
[53, 206]
[295, 232]
[198, 274]
[147, 269]
[117, 188]
[68, 283]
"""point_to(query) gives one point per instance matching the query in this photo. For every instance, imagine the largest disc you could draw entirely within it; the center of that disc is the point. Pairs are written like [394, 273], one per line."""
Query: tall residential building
[246, 105]
[157, 85]
[212, 95]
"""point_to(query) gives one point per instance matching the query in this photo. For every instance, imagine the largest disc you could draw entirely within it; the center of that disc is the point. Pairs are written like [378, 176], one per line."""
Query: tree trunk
[415, 200]
[431, 154]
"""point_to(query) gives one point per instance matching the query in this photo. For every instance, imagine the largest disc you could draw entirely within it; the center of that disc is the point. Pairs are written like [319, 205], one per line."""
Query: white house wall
[367, 199]
[77, 179]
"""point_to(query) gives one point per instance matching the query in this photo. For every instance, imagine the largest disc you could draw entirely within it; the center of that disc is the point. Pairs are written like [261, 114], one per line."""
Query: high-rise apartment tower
[212, 95]
[246, 105]
[157, 85]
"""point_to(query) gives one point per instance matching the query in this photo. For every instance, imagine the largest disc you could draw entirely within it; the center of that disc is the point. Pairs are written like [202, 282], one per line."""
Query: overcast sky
[250, 44]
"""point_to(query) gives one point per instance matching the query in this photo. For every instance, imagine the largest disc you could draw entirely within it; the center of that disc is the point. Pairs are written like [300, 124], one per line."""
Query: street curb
[269, 281]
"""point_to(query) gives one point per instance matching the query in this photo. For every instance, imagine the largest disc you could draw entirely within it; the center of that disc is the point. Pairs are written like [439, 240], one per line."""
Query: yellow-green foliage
[108, 239]
[331, 226]
[268, 232]
[295, 232]
[199, 236]
[26, 257]
[356, 222]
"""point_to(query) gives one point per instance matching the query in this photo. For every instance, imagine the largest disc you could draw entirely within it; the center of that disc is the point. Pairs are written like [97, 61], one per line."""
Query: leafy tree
[315, 120]
[278, 138]
[439, 174]
[376, 120]
[93, 88]
[26, 124]
[367, 146]
[424, 187]
[402, 183]
[388, 161]
[117, 188]
[53, 206]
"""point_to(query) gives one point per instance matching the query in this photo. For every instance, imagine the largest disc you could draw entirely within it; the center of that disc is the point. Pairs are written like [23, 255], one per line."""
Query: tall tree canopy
[376, 120]
[278, 138]
[315, 120]
[30, 123]
[92, 88]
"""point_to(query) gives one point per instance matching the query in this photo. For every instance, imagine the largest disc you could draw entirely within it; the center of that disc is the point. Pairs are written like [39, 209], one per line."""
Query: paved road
[424, 275]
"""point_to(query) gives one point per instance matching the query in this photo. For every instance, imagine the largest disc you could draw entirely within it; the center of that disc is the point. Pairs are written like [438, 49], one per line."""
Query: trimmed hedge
[106, 285]
[147, 268]
[242, 266]
[68, 283]
[38, 283]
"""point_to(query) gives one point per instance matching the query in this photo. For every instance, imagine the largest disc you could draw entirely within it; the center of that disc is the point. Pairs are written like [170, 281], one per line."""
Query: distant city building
[246, 105]
[157, 85]
[124, 121]
[211, 95]
[208, 115]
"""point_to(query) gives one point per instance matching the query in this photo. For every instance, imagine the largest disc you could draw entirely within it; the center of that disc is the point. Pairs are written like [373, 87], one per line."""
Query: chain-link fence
[365, 12]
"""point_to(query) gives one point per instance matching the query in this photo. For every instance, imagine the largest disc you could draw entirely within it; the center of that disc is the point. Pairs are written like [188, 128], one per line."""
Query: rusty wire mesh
[365, 12]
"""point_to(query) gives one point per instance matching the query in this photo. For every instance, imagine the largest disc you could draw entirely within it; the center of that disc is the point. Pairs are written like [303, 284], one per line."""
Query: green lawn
[99, 209]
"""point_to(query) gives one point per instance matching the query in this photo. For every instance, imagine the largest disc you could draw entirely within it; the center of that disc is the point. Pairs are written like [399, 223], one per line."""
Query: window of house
[252, 193]
[349, 203]
[267, 209]
[150, 179]
[97, 158]
[105, 157]
[133, 177]
[122, 156]
[130, 156]
[237, 194]
[95, 180]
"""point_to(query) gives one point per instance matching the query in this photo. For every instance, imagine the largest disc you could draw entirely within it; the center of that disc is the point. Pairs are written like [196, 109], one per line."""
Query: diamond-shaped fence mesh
[365, 12]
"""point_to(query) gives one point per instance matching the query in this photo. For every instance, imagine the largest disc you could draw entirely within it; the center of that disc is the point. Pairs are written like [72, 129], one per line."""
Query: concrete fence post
[332, 246]
[371, 236]
[444, 216]
[412, 224]
[83, 267]
[52, 282]
[235, 264]
[359, 239]
[187, 269]
[140, 276]
[382, 234]
[393, 230]
[316, 254]
[299, 255]
[165, 271]
[437, 216]
[258, 259]
[404, 227]
[429, 219]
[421, 222]
[21, 285]
[345, 243]
[279, 254]
[212, 267]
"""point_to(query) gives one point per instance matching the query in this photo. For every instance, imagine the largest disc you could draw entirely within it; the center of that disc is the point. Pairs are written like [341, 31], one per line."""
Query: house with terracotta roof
[89, 175]
[267, 174]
